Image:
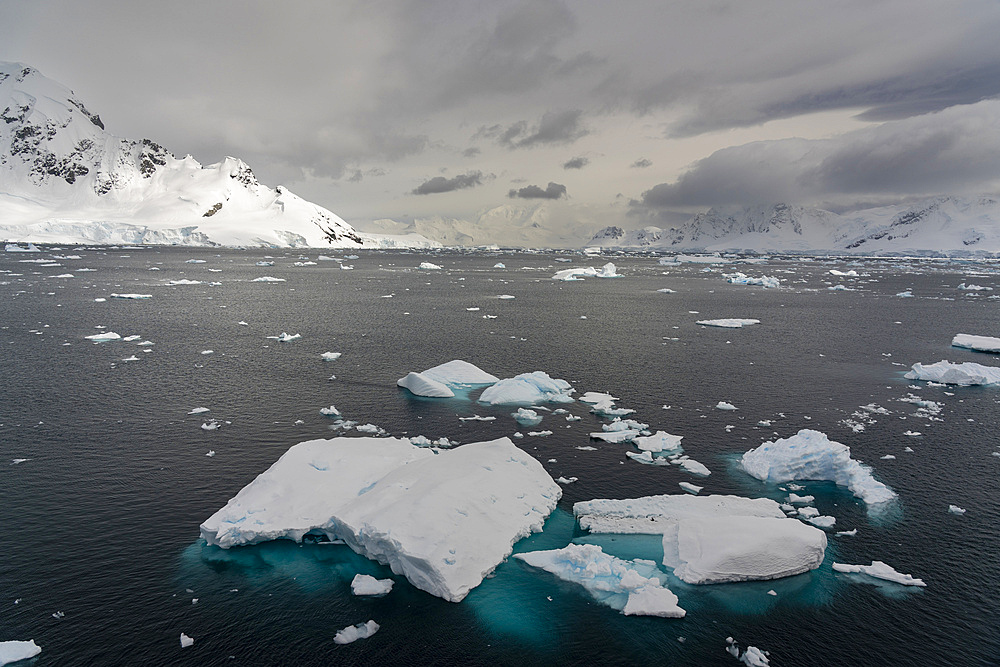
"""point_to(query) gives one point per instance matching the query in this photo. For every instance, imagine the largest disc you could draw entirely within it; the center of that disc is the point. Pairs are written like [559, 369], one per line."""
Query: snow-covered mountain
[65, 179]
[947, 225]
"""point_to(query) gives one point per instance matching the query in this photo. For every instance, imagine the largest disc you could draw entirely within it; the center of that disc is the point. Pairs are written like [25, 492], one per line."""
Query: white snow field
[528, 389]
[977, 343]
[442, 519]
[880, 570]
[13, 651]
[713, 539]
[811, 455]
[633, 587]
[728, 323]
[439, 381]
[964, 374]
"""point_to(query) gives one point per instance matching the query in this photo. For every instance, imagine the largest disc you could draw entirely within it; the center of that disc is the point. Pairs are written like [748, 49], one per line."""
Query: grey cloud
[471, 152]
[955, 150]
[641, 163]
[554, 128]
[576, 163]
[440, 184]
[553, 191]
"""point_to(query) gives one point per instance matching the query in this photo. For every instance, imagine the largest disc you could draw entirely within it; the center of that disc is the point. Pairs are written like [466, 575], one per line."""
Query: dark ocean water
[101, 522]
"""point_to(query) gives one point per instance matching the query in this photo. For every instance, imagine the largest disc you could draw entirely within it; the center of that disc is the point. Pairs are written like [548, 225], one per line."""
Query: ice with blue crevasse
[964, 374]
[811, 455]
[444, 519]
[636, 588]
[528, 389]
[441, 381]
[713, 539]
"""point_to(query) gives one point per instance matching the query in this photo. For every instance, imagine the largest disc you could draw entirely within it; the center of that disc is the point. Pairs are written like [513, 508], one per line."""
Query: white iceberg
[13, 651]
[974, 288]
[268, 279]
[653, 515]
[633, 587]
[428, 266]
[528, 389]
[728, 323]
[526, 417]
[963, 374]
[286, 337]
[690, 488]
[723, 405]
[977, 343]
[443, 519]
[439, 381]
[661, 441]
[186, 641]
[353, 633]
[811, 455]
[330, 356]
[131, 296]
[743, 279]
[365, 584]
[879, 570]
[104, 337]
[607, 271]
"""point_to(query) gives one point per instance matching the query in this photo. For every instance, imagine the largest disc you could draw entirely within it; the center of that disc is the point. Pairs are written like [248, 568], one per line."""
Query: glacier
[811, 455]
[444, 519]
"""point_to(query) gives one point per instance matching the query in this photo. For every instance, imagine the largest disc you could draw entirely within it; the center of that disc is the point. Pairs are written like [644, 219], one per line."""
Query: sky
[578, 114]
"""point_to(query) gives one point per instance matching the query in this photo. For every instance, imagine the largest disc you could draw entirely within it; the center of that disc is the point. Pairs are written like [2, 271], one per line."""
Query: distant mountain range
[65, 179]
[950, 225]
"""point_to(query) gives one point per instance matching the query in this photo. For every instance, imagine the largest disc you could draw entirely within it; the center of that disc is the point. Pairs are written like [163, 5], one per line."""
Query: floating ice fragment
[285, 337]
[268, 279]
[210, 453]
[437, 382]
[499, 265]
[330, 356]
[962, 374]
[364, 584]
[132, 358]
[955, 509]
[186, 641]
[352, 633]
[912, 433]
[428, 266]
[723, 405]
[526, 417]
[184, 281]
[210, 426]
[131, 296]
[690, 488]
[977, 343]
[14, 462]
[198, 411]
[730, 323]
[974, 288]
[566, 480]
[879, 570]
[104, 337]
[208, 351]
[661, 441]
[15, 651]
[528, 389]
[743, 279]
[906, 294]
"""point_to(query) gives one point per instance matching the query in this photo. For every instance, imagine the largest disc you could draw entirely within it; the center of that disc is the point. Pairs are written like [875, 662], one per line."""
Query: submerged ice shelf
[442, 519]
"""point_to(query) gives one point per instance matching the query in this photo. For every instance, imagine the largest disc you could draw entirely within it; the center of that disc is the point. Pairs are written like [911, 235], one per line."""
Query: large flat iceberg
[528, 389]
[977, 343]
[14, 651]
[653, 515]
[964, 374]
[633, 587]
[811, 455]
[443, 519]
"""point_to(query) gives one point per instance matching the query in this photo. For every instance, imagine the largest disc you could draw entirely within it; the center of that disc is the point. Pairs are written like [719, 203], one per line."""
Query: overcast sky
[614, 112]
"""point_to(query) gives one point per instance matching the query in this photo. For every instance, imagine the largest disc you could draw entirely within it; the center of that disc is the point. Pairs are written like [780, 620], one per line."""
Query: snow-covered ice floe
[440, 381]
[13, 651]
[528, 389]
[880, 570]
[963, 374]
[977, 343]
[353, 633]
[365, 584]
[429, 266]
[330, 356]
[443, 519]
[811, 455]
[104, 337]
[728, 323]
[268, 279]
[636, 588]
[607, 271]
[131, 296]
[743, 279]
[713, 539]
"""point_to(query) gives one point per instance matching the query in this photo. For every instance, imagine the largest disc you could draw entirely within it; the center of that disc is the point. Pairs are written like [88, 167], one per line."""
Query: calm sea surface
[101, 521]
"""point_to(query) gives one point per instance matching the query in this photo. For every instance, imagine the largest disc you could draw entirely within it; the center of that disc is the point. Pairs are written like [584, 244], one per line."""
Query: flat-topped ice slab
[879, 570]
[964, 374]
[728, 323]
[443, 519]
[653, 515]
[811, 455]
[977, 343]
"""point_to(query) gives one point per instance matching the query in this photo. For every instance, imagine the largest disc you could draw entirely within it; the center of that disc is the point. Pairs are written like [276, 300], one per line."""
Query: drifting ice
[353, 633]
[633, 587]
[13, 651]
[729, 323]
[528, 389]
[607, 271]
[811, 455]
[977, 343]
[439, 381]
[364, 584]
[330, 356]
[879, 570]
[743, 279]
[442, 519]
[964, 374]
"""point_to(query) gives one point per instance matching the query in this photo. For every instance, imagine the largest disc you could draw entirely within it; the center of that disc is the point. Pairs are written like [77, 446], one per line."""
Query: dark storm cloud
[553, 191]
[641, 163]
[576, 163]
[440, 184]
[955, 150]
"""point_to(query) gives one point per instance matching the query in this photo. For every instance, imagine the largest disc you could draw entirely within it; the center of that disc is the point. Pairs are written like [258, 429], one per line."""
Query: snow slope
[65, 179]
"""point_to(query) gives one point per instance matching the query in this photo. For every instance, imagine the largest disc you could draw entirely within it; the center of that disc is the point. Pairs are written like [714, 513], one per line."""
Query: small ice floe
[185, 281]
[840, 288]
[131, 296]
[64, 275]
[330, 356]
[540, 434]
[689, 465]
[505, 296]
[242, 323]
[364, 584]
[353, 633]
[263, 263]
[132, 358]
[129, 339]
[962, 374]
[210, 453]
[285, 337]
[186, 641]
[690, 488]
[661, 441]
[955, 509]
[879, 570]
[59, 614]
[526, 417]
[371, 428]
[476, 418]
[772, 592]
[850, 274]
[528, 389]
[268, 279]
[99, 300]
[104, 337]
[607, 271]
[304, 263]
[566, 480]
[728, 323]
[796, 499]
[847, 533]
[198, 411]
[907, 294]
[499, 265]
[666, 290]
[811, 455]
[908, 450]
[331, 411]
[15, 651]
[208, 351]
[604, 404]
[973, 288]
[636, 588]
[211, 426]
[912, 434]
[429, 266]
[743, 279]
[977, 343]
[752, 657]
[14, 462]
[723, 405]
[573, 418]
[195, 261]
